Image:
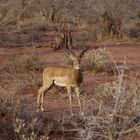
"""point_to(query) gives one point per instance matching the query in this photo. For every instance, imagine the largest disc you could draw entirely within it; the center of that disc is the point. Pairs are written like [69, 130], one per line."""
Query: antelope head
[75, 58]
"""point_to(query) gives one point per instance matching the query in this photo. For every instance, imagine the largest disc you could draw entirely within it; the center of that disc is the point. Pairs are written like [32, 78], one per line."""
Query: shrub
[112, 113]
[103, 60]
[111, 17]
[31, 127]
[20, 123]
[97, 60]
[107, 19]
[28, 62]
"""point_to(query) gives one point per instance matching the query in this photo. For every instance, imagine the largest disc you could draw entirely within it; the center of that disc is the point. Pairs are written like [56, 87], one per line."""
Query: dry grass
[27, 63]
[19, 122]
[113, 112]
[98, 60]
[101, 20]
[23, 75]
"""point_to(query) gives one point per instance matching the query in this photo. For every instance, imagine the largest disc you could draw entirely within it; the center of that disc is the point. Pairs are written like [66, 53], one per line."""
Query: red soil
[55, 105]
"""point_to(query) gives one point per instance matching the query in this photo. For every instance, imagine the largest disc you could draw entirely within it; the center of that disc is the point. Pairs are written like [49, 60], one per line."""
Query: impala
[62, 76]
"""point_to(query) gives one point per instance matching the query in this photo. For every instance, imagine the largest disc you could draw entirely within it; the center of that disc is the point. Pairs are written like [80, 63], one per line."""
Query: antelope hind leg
[41, 94]
[77, 91]
[69, 94]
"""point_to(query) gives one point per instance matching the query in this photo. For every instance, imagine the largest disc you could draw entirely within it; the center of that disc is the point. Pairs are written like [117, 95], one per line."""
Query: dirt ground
[57, 104]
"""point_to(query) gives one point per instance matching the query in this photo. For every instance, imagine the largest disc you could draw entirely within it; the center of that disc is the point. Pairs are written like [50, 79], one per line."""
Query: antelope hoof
[82, 113]
[42, 109]
[37, 110]
[71, 114]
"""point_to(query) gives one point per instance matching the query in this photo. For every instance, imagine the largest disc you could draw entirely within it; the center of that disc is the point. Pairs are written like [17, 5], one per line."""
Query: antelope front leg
[69, 94]
[77, 91]
[38, 101]
[40, 98]
[42, 101]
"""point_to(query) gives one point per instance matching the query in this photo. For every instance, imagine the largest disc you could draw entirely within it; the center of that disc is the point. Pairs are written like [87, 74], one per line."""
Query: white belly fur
[60, 84]
[60, 81]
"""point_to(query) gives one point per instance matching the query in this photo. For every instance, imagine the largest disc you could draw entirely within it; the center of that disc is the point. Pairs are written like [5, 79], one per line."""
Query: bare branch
[45, 15]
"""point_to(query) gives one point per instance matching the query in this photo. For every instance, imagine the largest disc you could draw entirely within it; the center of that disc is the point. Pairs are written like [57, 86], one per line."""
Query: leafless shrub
[106, 19]
[31, 127]
[88, 60]
[26, 84]
[20, 121]
[88, 32]
[111, 114]
[98, 60]
[113, 17]
[9, 104]
[134, 33]
[24, 64]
